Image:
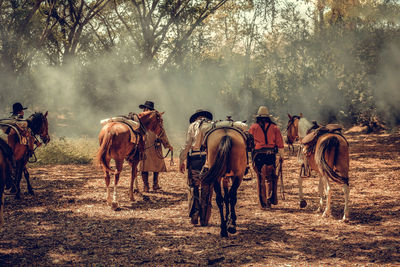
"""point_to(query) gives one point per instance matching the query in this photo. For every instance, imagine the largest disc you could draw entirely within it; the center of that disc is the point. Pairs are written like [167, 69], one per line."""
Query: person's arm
[185, 149]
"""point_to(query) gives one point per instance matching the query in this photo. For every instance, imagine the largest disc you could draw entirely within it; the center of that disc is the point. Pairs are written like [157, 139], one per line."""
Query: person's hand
[182, 168]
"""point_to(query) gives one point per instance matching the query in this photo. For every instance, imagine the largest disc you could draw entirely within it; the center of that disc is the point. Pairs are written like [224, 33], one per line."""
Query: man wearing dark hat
[153, 160]
[18, 111]
[268, 142]
[199, 202]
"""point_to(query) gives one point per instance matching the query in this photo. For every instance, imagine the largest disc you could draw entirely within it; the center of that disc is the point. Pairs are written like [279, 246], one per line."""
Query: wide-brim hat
[262, 112]
[201, 113]
[147, 104]
[17, 107]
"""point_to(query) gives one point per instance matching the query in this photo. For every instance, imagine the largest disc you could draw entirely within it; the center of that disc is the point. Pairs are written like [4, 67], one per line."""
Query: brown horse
[37, 125]
[5, 173]
[116, 143]
[330, 158]
[227, 156]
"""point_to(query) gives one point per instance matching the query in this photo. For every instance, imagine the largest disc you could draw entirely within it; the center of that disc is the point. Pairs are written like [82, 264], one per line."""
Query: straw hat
[262, 112]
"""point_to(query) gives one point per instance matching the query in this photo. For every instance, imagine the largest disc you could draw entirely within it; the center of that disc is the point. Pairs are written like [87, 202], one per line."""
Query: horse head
[292, 129]
[152, 121]
[38, 123]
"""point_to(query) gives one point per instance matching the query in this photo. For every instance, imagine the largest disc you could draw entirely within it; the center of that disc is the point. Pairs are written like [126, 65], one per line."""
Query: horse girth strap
[204, 143]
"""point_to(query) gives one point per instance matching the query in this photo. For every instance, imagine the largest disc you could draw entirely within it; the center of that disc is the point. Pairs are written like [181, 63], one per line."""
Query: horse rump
[104, 149]
[221, 164]
[330, 145]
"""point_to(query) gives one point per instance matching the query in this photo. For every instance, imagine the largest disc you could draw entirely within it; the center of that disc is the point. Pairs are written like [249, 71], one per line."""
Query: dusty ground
[69, 223]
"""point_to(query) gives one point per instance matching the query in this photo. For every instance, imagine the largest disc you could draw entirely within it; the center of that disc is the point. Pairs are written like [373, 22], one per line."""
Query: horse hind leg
[107, 179]
[321, 195]
[232, 202]
[30, 189]
[328, 193]
[303, 203]
[219, 199]
[346, 191]
[118, 163]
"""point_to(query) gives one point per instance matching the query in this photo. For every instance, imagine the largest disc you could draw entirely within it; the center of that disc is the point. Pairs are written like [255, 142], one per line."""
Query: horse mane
[35, 122]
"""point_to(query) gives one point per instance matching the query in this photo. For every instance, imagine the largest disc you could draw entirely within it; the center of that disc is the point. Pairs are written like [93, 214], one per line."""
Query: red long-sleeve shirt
[274, 136]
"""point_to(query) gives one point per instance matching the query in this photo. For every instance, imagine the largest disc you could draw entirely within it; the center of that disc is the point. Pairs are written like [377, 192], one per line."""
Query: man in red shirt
[268, 142]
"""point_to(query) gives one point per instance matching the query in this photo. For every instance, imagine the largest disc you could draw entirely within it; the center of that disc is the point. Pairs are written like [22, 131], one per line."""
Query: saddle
[132, 123]
[310, 140]
[208, 128]
[19, 126]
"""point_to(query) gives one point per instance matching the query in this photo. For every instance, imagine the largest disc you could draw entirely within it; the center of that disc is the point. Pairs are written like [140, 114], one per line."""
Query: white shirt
[194, 138]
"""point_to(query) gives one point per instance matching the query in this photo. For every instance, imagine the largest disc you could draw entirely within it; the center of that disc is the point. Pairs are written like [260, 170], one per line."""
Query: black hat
[202, 113]
[17, 107]
[147, 104]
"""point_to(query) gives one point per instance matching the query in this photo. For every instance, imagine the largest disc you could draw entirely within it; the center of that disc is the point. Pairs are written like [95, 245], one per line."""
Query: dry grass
[69, 223]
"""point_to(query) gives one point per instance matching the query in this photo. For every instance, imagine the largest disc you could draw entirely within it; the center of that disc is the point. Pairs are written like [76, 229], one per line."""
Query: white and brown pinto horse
[227, 156]
[37, 125]
[116, 143]
[330, 158]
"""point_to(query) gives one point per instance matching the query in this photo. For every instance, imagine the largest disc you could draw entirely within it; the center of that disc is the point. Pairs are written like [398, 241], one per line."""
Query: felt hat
[147, 104]
[201, 113]
[17, 107]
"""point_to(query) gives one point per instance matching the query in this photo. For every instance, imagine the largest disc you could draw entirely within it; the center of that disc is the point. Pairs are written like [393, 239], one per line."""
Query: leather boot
[272, 185]
[145, 177]
[156, 186]
[262, 194]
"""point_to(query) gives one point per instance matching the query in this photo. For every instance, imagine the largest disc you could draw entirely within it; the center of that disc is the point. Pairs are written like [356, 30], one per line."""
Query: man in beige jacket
[153, 160]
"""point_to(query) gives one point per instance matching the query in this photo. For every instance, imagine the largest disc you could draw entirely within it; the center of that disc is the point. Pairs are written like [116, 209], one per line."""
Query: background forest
[85, 60]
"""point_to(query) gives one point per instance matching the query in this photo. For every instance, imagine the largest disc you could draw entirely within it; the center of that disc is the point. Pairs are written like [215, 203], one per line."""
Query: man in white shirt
[199, 196]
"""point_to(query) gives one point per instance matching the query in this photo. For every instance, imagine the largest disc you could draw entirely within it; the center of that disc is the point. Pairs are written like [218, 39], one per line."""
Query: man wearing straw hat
[268, 142]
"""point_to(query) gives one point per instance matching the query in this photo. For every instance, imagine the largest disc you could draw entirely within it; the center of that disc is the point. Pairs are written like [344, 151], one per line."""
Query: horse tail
[221, 164]
[104, 149]
[329, 144]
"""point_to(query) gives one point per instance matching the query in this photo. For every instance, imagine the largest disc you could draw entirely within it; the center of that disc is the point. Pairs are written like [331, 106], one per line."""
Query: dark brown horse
[116, 142]
[329, 158]
[37, 126]
[5, 173]
[227, 156]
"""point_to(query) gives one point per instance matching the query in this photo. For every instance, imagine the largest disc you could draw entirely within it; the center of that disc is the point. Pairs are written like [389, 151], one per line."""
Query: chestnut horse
[227, 156]
[330, 159]
[116, 143]
[37, 125]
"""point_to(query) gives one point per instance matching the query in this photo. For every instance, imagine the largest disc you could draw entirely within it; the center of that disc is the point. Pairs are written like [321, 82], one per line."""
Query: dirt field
[68, 222]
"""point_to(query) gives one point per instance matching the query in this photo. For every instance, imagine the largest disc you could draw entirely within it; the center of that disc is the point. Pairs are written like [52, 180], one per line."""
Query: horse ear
[290, 117]
[45, 114]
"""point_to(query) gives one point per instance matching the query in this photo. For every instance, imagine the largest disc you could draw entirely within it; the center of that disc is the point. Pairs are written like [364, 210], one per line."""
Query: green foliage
[67, 151]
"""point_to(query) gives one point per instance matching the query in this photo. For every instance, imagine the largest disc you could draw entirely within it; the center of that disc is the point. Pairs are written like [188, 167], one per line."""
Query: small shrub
[67, 151]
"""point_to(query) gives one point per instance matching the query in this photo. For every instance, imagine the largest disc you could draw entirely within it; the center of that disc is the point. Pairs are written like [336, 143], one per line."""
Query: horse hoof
[232, 229]
[326, 215]
[303, 203]
[114, 206]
